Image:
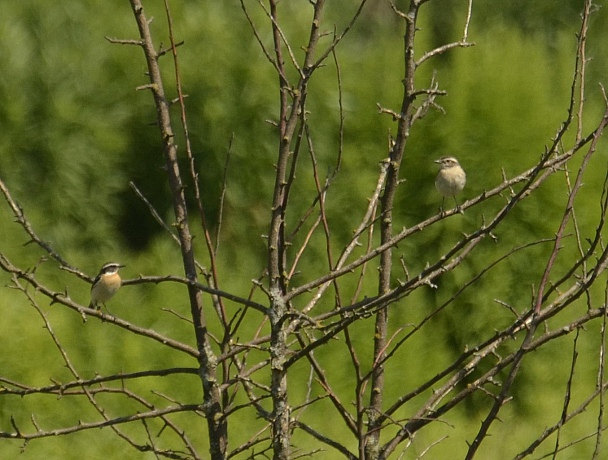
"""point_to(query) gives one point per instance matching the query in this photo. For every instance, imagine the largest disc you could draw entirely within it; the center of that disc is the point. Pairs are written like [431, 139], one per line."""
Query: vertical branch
[601, 373]
[276, 258]
[213, 277]
[396, 153]
[291, 106]
[207, 361]
[286, 126]
[582, 66]
[217, 301]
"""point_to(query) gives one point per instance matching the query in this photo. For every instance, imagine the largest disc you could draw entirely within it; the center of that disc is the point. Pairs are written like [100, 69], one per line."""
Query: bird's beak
[121, 266]
[437, 161]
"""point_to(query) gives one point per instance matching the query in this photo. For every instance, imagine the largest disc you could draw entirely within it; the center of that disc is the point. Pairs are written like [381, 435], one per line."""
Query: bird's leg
[458, 208]
[106, 309]
[442, 209]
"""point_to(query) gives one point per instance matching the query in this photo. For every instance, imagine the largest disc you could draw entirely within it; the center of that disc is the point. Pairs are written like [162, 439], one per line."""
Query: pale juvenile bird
[450, 179]
[105, 285]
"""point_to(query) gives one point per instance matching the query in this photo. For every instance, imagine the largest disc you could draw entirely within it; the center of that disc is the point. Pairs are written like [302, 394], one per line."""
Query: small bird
[105, 285]
[450, 179]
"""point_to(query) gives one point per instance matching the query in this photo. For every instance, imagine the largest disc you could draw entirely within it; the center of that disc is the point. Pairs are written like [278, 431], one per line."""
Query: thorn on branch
[404, 268]
[35, 423]
[399, 13]
[55, 297]
[175, 100]
[396, 116]
[430, 284]
[152, 86]
[509, 307]
[14, 425]
[121, 41]
[162, 51]
[430, 92]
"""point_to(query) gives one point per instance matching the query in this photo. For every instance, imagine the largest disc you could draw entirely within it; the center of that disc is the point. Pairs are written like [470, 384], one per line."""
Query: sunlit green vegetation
[75, 132]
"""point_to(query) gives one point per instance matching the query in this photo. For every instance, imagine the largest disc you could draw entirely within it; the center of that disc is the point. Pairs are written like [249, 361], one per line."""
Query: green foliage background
[75, 132]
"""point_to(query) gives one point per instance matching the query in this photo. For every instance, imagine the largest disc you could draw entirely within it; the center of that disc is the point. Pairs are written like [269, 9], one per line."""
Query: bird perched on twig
[450, 180]
[106, 284]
